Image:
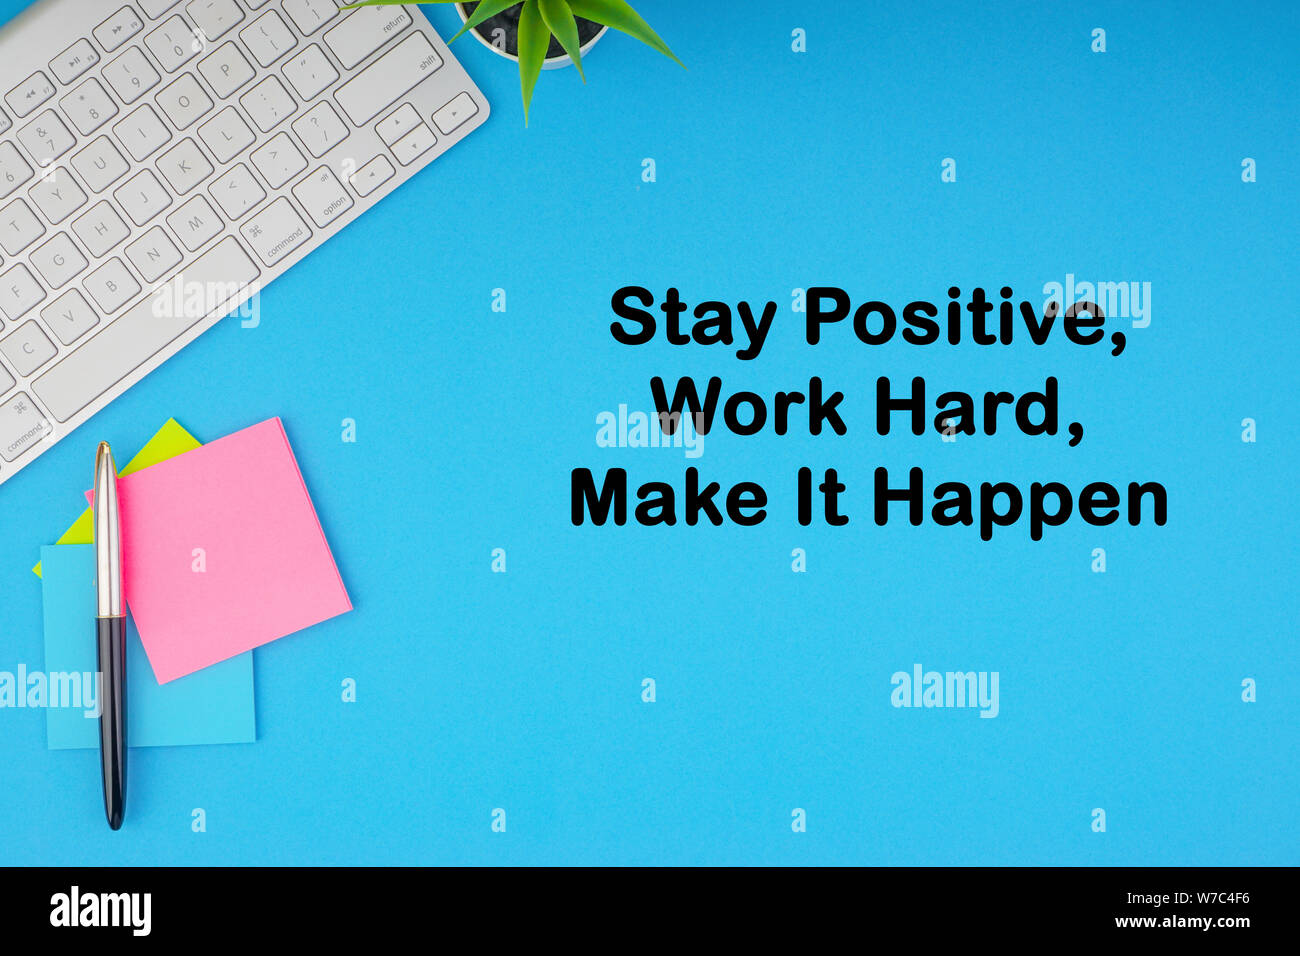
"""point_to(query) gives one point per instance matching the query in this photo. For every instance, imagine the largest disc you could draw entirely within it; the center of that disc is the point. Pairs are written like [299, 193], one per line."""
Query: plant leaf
[486, 9]
[534, 38]
[559, 20]
[620, 16]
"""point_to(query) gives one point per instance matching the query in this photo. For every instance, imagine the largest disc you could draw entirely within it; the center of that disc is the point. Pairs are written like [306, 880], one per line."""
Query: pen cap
[108, 537]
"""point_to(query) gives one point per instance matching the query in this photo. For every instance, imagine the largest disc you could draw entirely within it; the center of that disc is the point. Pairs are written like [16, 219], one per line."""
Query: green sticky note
[171, 440]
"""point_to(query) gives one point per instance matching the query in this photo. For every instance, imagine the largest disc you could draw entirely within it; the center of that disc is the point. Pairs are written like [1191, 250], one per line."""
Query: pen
[110, 625]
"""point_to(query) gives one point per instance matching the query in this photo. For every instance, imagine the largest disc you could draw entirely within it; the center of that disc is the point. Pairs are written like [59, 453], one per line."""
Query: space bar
[217, 279]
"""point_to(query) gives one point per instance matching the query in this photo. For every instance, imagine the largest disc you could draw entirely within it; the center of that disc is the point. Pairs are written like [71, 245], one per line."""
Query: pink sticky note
[222, 552]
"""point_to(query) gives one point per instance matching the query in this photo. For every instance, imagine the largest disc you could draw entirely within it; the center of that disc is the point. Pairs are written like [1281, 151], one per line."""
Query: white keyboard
[162, 160]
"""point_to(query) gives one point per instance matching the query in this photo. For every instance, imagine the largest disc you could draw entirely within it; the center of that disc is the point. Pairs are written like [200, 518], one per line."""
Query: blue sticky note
[211, 706]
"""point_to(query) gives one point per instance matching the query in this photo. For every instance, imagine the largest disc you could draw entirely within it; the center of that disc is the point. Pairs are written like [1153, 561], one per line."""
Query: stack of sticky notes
[222, 551]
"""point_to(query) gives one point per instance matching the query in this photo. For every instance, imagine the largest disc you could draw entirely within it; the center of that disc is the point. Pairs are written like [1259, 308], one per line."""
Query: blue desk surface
[775, 170]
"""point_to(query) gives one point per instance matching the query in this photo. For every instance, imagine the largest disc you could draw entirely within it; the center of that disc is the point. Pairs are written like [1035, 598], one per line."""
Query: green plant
[539, 19]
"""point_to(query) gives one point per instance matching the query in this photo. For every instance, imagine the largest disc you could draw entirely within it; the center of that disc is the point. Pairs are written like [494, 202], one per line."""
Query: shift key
[275, 231]
[365, 95]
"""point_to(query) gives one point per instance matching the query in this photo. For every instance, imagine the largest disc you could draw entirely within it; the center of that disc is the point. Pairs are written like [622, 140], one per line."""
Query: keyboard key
[100, 164]
[267, 38]
[237, 191]
[226, 134]
[275, 231]
[184, 101]
[29, 94]
[397, 124]
[118, 28]
[455, 113]
[372, 175]
[172, 44]
[310, 72]
[111, 286]
[143, 197]
[27, 349]
[74, 61]
[19, 293]
[57, 195]
[70, 317]
[142, 133]
[131, 75]
[320, 129]
[184, 166]
[268, 103]
[195, 223]
[59, 261]
[278, 160]
[323, 196]
[153, 254]
[226, 69]
[46, 138]
[367, 94]
[14, 170]
[414, 145]
[142, 331]
[215, 17]
[5, 122]
[100, 228]
[19, 227]
[22, 426]
[364, 32]
[7, 381]
[156, 8]
[89, 107]
[310, 15]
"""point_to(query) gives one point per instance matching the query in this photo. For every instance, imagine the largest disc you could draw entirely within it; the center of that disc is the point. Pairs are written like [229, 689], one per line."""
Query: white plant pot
[550, 63]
